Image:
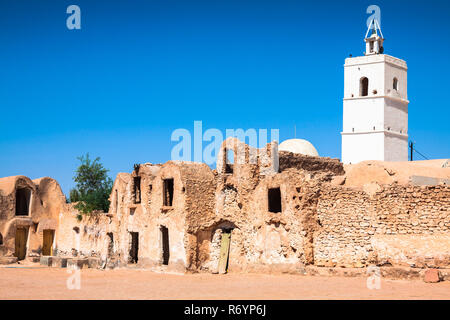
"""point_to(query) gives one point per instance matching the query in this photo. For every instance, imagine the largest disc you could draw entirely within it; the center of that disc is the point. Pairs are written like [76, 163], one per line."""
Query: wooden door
[21, 243]
[224, 252]
[47, 246]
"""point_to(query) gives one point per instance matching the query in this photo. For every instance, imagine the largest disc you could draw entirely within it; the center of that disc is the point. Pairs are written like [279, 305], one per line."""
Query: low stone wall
[398, 226]
[308, 163]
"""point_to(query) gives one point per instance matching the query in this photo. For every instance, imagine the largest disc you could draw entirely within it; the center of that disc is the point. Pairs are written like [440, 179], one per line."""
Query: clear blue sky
[137, 70]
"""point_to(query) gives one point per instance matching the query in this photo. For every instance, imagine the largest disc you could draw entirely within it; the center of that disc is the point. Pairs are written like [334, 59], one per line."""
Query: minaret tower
[375, 125]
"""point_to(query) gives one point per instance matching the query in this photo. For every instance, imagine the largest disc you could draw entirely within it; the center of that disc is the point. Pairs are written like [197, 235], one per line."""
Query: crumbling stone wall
[358, 228]
[309, 163]
[322, 222]
[279, 238]
[230, 199]
[193, 202]
[263, 240]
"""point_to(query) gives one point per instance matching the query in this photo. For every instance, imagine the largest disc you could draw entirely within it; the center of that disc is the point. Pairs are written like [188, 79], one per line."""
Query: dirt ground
[51, 283]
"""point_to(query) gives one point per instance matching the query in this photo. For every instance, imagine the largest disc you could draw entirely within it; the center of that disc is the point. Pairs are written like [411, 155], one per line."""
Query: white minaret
[375, 104]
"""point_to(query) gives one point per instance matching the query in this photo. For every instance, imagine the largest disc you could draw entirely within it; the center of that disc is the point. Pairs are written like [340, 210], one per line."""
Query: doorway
[21, 243]
[134, 248]
[224, 250]
[165, 245]
[47, 245]
[110, 244]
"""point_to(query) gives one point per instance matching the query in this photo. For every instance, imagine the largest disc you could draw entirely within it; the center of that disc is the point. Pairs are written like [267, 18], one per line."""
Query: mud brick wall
[85, 238]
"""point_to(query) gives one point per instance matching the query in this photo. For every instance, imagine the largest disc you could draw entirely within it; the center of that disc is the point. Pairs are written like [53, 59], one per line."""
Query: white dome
[298, 146]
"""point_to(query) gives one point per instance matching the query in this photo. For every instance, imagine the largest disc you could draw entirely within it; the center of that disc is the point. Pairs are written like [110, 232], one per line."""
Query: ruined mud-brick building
[30, 213]
[260, 210]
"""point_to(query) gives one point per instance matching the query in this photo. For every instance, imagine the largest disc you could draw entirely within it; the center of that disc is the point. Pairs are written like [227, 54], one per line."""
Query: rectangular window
[274, 197]
[137, 189]
[168, 192]
[23, 197]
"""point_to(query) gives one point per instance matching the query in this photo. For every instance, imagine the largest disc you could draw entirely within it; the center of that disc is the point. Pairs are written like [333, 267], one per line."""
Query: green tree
[93, 186]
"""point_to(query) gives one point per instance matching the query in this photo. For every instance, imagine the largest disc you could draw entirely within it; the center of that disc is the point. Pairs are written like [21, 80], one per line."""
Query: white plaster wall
[362, 146]
[363, 114]
[396, 116]
[396, 147]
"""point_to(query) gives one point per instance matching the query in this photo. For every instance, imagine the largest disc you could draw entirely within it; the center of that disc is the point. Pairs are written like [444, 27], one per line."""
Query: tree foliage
[93, 186]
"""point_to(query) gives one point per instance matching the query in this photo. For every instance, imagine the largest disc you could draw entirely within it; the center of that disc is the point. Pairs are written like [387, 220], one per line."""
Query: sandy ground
[50, 283]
